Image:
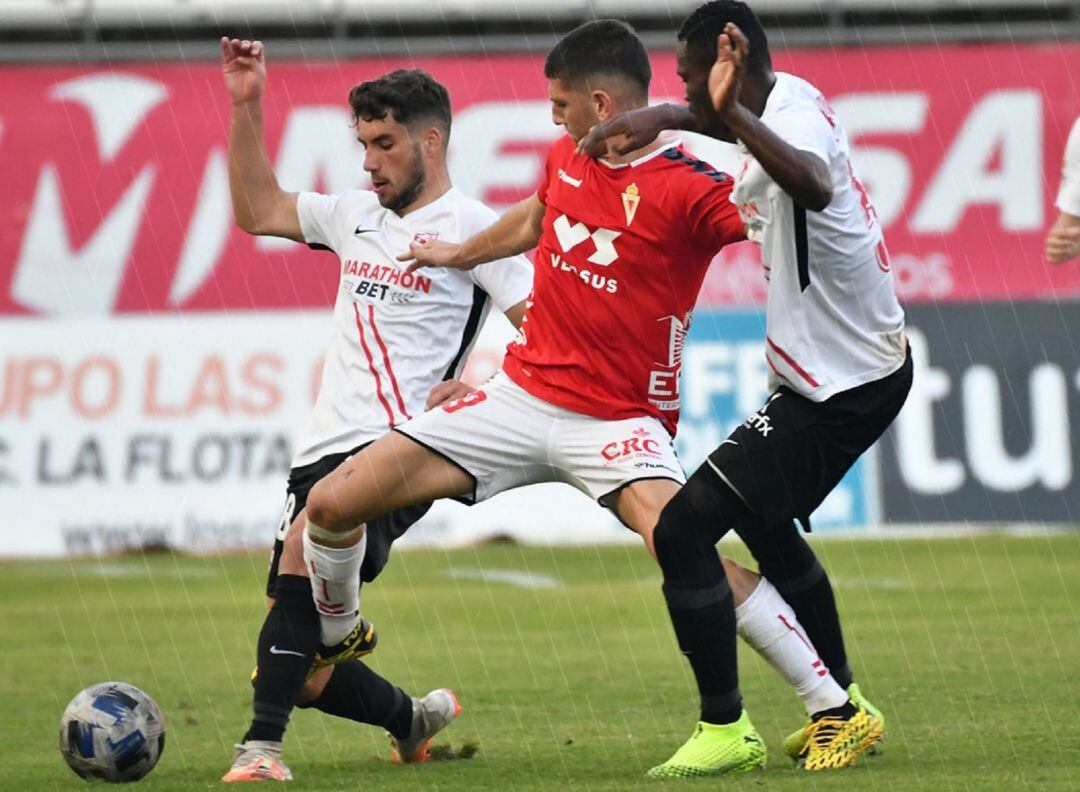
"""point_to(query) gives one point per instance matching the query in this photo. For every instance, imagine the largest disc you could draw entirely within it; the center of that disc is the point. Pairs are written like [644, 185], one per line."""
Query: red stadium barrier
[115, 193]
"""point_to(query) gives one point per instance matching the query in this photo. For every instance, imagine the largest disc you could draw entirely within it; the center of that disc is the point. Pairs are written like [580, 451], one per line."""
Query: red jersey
[623, 252]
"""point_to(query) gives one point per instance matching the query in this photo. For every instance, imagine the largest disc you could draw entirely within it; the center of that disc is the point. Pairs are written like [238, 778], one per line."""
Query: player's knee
[324, 509]
[677, 531]
[782, 553]
[696, 518]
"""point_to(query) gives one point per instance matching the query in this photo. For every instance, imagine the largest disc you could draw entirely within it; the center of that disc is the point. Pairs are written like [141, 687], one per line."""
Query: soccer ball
[113, 732]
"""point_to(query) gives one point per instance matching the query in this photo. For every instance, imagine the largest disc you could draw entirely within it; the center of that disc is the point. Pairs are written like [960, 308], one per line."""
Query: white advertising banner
[177, 431]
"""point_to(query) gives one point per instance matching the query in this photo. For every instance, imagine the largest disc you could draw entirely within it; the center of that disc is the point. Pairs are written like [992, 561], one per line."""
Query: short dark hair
[702, 28]
[603, 47]
[408, 96]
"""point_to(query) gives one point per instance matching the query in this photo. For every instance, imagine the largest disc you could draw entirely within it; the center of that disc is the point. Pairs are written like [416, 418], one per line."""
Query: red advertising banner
[116, 199]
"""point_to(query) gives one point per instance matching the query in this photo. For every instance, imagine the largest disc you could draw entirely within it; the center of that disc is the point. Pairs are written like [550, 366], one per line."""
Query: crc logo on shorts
[640, 445]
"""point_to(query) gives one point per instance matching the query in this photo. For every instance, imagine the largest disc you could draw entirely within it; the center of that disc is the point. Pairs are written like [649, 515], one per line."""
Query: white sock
[768, 624]
[335, 586]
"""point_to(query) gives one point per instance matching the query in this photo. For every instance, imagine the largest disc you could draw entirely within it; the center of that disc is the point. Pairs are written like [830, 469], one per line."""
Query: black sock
[358, 693]
[287, 644]
[785, 558]
[696, 589]
[704, 622]
[846, 711]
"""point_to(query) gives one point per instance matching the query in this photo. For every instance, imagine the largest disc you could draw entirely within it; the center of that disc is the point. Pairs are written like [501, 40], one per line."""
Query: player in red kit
[588, 394]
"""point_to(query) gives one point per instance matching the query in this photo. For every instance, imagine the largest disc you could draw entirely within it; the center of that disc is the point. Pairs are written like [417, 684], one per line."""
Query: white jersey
[1068, 197]
[396, 336]
[833, 321]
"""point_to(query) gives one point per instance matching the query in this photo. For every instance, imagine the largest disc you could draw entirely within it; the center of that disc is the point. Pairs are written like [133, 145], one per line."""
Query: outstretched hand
[446, 392]
[432, 253]
[638, 128]
[725, 77]
[243, 64]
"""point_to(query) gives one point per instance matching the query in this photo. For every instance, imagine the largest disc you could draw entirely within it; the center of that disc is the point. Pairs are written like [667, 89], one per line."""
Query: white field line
[511, 577]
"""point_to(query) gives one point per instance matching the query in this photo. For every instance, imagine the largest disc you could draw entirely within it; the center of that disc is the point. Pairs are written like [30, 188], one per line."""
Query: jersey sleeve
[714, 219]
[1068, 197]
[321, 219]
[807, 129]
[506, 281]
[555, 157]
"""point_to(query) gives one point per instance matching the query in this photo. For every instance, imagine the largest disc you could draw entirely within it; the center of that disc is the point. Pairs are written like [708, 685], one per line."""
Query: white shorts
[504, 437]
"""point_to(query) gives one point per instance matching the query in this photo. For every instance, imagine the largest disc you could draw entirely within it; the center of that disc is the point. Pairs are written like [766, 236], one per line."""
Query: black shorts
[788, 456]
[381, 532]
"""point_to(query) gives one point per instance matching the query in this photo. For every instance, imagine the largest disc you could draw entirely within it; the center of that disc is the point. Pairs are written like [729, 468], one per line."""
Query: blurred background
[156, 363]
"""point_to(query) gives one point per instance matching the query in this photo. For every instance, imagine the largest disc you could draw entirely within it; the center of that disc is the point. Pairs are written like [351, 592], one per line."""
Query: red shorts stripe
[374, 371]
[791, 362]
[386, 362]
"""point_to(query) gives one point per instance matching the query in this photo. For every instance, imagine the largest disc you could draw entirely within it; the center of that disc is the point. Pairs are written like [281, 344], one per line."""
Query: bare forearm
[254, 187]
[674, 116]
[802, 175]
[515, 232]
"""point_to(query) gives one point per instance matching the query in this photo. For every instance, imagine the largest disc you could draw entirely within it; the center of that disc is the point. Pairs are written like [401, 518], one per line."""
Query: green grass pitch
[971, 646]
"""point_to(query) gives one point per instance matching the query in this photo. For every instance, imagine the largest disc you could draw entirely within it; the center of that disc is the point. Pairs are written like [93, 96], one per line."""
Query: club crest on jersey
[631, 198]
[425, 237]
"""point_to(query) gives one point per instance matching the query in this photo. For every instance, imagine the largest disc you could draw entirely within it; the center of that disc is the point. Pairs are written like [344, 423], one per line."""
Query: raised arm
[636, 129]
[260, 206]
[802, 175]
[515, 232]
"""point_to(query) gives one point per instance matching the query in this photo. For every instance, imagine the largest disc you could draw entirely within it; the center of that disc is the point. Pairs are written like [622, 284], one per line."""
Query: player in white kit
[840, 372]
[1063, 238]
[397, 336]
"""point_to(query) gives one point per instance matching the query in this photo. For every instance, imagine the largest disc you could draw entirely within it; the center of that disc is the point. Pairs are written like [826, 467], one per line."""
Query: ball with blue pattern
[112, 732]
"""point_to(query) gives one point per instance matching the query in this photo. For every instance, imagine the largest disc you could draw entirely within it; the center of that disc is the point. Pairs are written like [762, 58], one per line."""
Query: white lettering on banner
[995, 158]
[50, 275]
[1004, 126]
[481, 165]
[318, 151]
[118, 103]
[885, 171]
[1048, 461]
[929, 276]
[54, 278]
[160, 430]
[712, 369]
[922, 469]
[207, 232]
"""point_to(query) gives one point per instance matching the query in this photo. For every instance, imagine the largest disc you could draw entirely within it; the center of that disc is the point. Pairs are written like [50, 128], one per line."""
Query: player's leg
[785, 557]
[782, 464]
[354, 691]
[701, 606]
[472, 448]
[392, 473]
[631, 467]
[287, 643]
